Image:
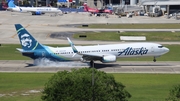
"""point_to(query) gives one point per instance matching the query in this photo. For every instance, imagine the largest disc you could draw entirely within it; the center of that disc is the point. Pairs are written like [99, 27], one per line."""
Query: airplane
[104, 53]
[91, 10]
[94, 10]
[4, 5]
[34, 10]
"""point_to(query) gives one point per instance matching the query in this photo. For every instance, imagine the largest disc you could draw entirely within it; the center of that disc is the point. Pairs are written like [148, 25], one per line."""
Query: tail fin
[85, 7]
[26, 39]
[11, 4]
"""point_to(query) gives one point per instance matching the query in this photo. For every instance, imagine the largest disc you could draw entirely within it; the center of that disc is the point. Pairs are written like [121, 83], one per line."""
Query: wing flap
[93, 56]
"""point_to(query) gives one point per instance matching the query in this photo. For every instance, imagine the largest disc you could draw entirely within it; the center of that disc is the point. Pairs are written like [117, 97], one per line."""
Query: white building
[166, 6]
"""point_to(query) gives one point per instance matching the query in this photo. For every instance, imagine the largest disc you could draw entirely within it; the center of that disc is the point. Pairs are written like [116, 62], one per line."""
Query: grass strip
[143, 87]
[115, 36]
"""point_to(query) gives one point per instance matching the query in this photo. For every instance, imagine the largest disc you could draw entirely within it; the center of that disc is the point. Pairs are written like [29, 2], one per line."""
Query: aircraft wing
[93, 56]
[32, 11]
[88, 56]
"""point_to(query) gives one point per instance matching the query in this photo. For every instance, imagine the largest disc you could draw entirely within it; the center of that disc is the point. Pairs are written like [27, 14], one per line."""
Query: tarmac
[170, 67]
[41, 27]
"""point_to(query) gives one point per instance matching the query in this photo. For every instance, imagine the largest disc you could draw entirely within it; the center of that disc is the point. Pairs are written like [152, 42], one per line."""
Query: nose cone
[166, 50]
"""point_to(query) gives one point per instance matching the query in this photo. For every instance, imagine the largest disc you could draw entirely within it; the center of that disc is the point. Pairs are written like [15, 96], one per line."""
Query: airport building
[152, 6]
[162, 6]
[91, 3]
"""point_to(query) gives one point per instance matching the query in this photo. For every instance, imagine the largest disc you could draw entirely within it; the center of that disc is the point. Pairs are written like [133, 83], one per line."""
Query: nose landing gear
[154, 59]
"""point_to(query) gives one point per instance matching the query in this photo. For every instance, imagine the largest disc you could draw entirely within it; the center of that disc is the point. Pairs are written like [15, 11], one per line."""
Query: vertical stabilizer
[26, 39]
[11, 4]
[85, 7]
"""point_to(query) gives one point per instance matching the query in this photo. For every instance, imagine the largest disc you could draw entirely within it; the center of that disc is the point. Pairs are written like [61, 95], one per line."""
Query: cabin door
[152, 48]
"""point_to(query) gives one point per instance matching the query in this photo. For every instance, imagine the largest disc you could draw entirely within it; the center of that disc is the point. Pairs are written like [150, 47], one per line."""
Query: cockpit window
[160, 46]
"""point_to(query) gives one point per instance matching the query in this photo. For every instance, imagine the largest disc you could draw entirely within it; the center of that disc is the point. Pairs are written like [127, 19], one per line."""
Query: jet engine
[83, 60]
[108, 59]
[37, 13]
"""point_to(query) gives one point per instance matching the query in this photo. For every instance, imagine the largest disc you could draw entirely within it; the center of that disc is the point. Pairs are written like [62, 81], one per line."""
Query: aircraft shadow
[102, 65]
[30, 65]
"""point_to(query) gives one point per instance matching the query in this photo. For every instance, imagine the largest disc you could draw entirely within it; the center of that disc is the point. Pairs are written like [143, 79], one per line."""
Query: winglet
[72, 46]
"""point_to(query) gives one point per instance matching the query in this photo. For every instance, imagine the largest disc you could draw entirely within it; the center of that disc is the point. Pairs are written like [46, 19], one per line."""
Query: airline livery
[95, 10]
[104, 53]
[33, 10]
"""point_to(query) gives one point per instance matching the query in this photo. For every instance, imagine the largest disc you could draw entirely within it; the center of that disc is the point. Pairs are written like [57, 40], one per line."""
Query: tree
[77, 86]
[174, 94]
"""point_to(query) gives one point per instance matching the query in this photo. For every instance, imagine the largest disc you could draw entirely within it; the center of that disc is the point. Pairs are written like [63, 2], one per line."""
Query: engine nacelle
[108, 59]
[83, 60]
[38, 13]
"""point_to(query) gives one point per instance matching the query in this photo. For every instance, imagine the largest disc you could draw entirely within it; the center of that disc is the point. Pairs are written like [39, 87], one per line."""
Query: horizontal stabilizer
[24, 51]
[21, 50]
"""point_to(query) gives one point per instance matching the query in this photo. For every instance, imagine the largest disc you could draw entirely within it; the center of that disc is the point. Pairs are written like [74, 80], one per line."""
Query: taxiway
[171, 67]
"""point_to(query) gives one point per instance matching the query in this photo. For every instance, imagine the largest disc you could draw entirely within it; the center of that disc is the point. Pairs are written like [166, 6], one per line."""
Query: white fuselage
[118, 50]
[36, 9]
[104, 53]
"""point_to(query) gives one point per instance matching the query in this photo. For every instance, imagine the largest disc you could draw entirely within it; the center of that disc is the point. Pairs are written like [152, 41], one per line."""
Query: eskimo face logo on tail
[131, 51]
[26, 41]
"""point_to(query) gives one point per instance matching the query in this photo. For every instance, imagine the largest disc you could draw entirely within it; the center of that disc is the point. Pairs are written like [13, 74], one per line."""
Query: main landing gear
[92, 63]
[154, 59]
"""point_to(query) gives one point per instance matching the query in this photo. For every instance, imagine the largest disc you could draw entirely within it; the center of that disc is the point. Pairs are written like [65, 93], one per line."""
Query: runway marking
[13, 36]
[173, 70]
[37, 70]
[48, 35]
[16, 69]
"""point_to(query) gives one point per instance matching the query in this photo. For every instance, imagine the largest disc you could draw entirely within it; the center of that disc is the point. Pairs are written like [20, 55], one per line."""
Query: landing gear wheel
[91, 63]
[154, 59]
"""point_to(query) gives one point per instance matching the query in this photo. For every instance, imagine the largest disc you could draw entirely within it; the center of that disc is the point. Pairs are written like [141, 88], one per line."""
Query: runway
[170, 67]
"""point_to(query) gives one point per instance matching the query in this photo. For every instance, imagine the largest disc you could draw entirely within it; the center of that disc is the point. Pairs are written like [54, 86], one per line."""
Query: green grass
[142, 87]
[9, 52]
[11, 82]
[148, 87]
[22, 83]
[32, 97]
[135, 26]
[114, 36]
